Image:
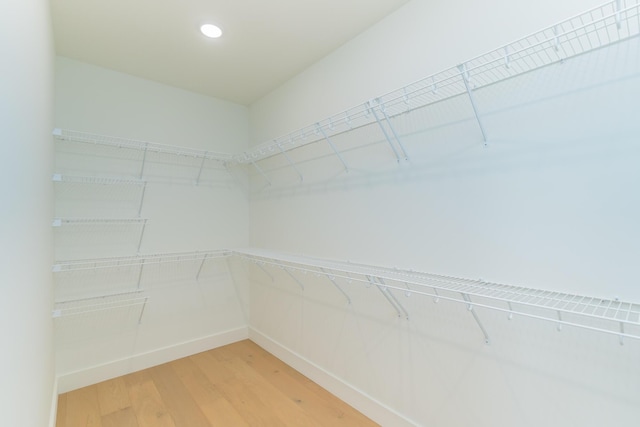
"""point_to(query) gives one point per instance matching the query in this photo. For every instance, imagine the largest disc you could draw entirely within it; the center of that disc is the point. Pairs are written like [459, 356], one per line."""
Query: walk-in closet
[396, 213]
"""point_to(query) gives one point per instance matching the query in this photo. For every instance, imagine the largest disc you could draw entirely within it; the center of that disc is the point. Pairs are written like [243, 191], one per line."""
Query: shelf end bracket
[476, 318]
[465, 78]
[333, 147]
[333, 280]
[286, 156]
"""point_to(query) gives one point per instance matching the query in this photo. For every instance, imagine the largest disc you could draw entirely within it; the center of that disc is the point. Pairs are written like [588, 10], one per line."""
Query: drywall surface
[419, 39]
[26, 194]
[549, 203]
[189, 205]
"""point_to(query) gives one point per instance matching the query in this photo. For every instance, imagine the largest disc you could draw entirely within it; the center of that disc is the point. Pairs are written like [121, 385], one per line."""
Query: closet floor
[236, 385]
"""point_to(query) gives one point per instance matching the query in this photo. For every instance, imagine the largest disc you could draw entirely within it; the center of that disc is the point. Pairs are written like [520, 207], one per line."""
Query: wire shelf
[602, 26]
[60, 222]
[78, 278]
[136, 261]
[96, 180]
[602, 315]
[99, 316]
[128, 157]
[103, 196]
[133, 144]
[87, 306]
[97, 237]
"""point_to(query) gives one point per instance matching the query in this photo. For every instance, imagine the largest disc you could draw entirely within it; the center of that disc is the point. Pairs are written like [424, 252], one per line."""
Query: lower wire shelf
[98, 316]
[596, 314]
[613, 317]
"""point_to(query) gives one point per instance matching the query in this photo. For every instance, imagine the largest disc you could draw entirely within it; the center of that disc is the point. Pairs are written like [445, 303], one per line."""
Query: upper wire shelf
[133, 144]
[602, 315]
[147, 161]
[610, 23]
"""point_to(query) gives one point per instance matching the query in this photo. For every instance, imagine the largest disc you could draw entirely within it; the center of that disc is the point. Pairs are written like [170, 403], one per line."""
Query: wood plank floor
[236, 385]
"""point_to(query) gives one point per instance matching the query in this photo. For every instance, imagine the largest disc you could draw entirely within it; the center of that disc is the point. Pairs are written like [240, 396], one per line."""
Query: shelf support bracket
[372, 108]
[264, 270]
[293, 165]
[476, 318]
[295, 279]
[144, 160]
[393, 131]
[382, 287]
[204, 159]
[144, 225]
[333, 147]
[144, 305]
[140, 274]
[333, 280]
[260, 171]
[465, 79]
[621, 333]
[559, 326]
[201, 265]
[144, 189]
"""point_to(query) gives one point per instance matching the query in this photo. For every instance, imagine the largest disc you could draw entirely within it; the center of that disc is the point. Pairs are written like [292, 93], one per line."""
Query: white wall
[26, 160]
[549, 204]
[183, 315]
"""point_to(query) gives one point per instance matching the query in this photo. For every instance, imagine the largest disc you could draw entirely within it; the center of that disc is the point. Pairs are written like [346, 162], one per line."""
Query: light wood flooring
[236, 385]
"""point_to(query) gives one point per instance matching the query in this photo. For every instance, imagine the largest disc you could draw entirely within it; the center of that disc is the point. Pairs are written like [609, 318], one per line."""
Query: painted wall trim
[95, 374]
[374, 409]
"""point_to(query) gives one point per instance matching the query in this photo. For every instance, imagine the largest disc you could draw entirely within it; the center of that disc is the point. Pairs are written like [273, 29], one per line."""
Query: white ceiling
[265, 42]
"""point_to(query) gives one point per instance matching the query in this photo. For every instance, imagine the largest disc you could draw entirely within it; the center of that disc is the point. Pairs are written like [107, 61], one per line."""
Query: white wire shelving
[102, 227]
[98, 316]
[134, 272]
[118, 301]
[97, 180]
[90, 183]
[602, 26]
[139, 260]
[187, 157]
[618, 318]
[613, 317]
[87, 306]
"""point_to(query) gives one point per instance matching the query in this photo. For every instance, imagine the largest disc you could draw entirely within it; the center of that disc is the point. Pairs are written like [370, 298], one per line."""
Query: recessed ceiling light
[211, 31]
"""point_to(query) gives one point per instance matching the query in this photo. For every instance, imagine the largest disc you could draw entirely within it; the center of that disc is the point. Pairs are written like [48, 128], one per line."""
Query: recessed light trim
[211, 31]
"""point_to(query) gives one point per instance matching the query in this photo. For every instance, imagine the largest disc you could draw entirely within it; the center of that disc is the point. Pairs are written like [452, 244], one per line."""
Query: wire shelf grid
[136, 261]
[133, 144]
[96, 180]
[96, 317]
[557, 307]
[610, 23]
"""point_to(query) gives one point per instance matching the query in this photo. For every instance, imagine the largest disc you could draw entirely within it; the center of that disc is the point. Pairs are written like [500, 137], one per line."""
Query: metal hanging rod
[137, 261]
[133, 144]
[607, 24]
[622, 318]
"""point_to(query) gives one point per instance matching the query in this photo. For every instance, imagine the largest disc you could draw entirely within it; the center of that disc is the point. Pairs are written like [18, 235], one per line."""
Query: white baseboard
[95, 374]
[364, 403]
[54, 404]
